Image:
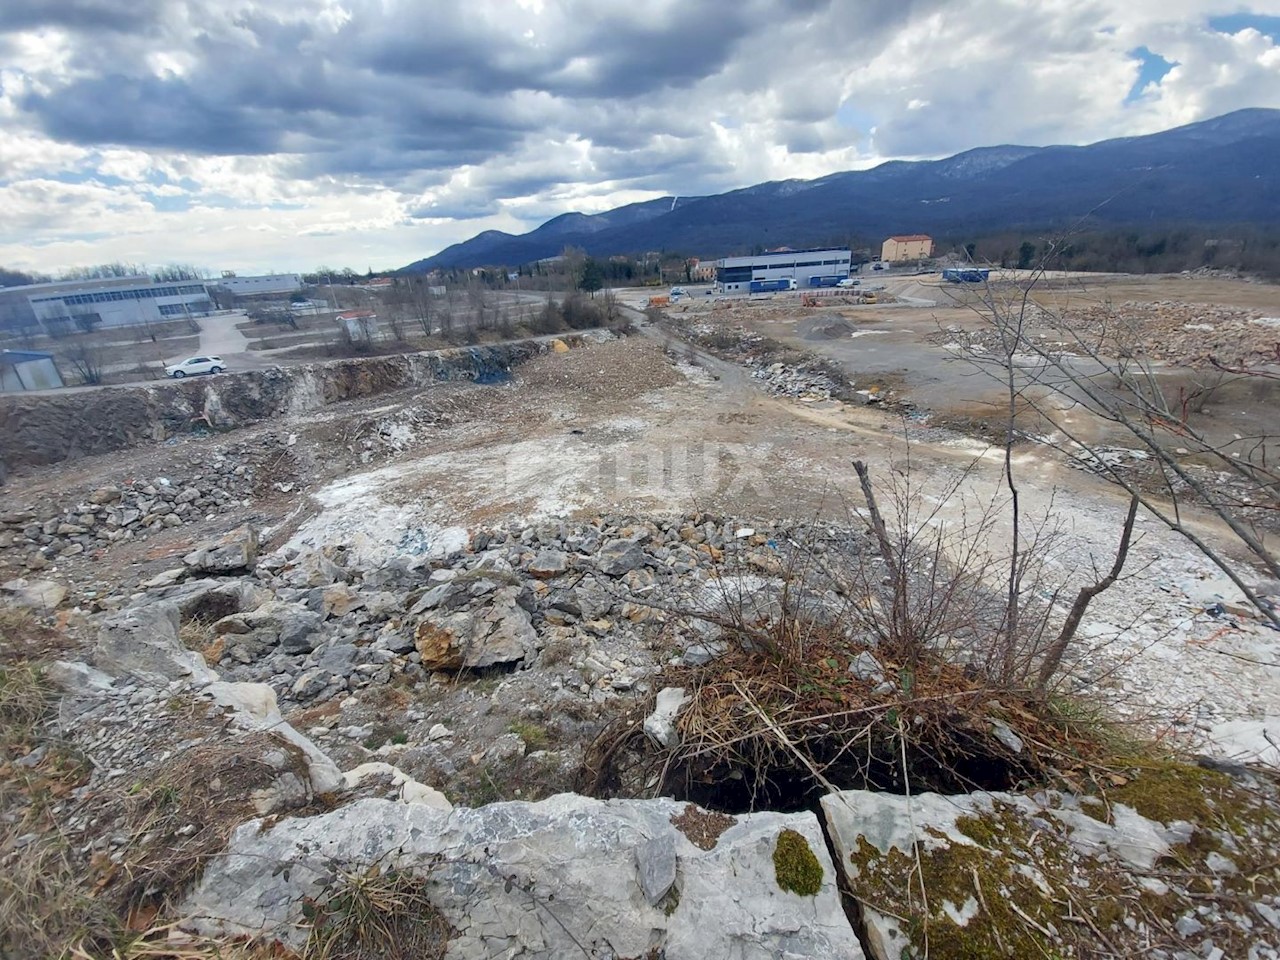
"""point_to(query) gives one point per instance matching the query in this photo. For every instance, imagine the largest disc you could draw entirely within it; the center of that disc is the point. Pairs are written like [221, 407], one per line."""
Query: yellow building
[916, 246]
[701, 271]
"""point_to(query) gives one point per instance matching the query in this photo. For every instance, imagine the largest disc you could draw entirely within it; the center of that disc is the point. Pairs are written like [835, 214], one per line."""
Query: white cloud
[279, 134]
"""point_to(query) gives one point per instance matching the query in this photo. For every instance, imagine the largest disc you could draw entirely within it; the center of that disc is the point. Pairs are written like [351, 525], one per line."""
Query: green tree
[592, 277]
[1026, 254]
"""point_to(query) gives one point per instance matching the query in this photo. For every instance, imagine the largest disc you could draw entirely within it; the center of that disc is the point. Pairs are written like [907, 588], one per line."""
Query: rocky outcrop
[41, 595]
[143, 642]
[1002, 870]
[569, 876]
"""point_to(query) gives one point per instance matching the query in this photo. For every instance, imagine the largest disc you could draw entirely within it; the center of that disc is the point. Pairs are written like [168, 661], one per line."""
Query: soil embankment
[42, 429]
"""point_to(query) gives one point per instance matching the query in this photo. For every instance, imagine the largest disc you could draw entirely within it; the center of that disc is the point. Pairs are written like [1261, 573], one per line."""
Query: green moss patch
[990, 872]
[795, 866]
[1172, 791]
[1013, 882]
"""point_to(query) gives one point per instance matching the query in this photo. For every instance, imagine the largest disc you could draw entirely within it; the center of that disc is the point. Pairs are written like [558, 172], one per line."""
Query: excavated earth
[375, 612]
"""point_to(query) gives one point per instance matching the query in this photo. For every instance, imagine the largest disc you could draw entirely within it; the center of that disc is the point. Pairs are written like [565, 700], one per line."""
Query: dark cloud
[459, 209]
[392, 93]
[404, 94]
[88, 16]
[152, 112]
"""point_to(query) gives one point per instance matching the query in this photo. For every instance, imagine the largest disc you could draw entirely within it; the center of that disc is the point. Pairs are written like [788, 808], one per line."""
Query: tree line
[1153, 249]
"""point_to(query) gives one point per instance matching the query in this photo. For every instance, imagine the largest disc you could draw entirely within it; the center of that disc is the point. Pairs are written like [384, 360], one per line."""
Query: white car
[194, 365]
[848, 282]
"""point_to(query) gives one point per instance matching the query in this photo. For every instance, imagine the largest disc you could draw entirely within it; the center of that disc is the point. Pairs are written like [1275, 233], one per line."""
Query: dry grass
[761, 733]
[198, 635]
[60, 900]
[376, 915]
[62, 897]
[23, 637]
[24, 700]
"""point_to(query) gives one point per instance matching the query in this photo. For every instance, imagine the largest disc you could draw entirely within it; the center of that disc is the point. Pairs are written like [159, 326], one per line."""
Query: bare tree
[1107, 373]
[174, 272]
[86, 358]
[612, 309]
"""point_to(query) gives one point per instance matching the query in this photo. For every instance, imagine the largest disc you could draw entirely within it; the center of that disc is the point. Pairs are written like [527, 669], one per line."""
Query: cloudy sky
[279, 134]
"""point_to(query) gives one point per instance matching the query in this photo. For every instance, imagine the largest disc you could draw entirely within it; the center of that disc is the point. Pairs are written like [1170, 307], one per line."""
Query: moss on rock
[796, 867]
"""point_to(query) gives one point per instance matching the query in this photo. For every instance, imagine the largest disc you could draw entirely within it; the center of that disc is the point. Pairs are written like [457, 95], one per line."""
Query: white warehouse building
[117, 301]
[734, 274]
[258, 286]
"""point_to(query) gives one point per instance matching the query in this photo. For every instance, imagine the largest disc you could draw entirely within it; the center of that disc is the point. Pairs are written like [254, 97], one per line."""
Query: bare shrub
[1105, 375]
[917, 655]
[86, 358]
[580, 313]
[549, 319]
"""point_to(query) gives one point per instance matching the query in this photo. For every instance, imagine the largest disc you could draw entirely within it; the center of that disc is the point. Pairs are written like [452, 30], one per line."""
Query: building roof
[139, 279]
[23, 356]
[357, 315]
[782, 253]
[912, 236]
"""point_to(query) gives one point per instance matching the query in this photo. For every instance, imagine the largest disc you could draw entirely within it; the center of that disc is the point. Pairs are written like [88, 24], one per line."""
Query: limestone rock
[860, 821]
[144, 640]
[105, 495]
[660, 725]
[589, 867]
[619, 557]
[310, 684]
[339, 600]
[411, 791]
[314, 569]
[237, 550]
[866, 667]
[78, 679]
[291, 625]
[656, 864]
[34, 594]
[499, 633]
[505, 750]
[549, 564]
[165, 579]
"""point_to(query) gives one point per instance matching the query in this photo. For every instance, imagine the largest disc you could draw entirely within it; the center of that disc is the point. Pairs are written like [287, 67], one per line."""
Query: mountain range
[1220, 171]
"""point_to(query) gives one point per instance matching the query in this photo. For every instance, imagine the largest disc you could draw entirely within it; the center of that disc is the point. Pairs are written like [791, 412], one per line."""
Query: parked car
[849, 282]
[194, 365]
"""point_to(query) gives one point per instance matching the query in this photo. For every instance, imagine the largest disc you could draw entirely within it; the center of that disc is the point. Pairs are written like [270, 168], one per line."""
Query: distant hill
[1220, 171]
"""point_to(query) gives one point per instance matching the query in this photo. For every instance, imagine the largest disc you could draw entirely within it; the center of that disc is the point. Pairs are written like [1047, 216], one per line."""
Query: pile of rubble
[35, 537]
[1175, 331]
[379, 694]
[322, 625]
[801, 382]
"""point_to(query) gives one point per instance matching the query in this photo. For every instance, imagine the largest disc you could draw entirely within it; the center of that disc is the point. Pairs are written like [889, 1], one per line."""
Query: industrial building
[915, 246]
[115, 301]
[265, 285]
[806, 267]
